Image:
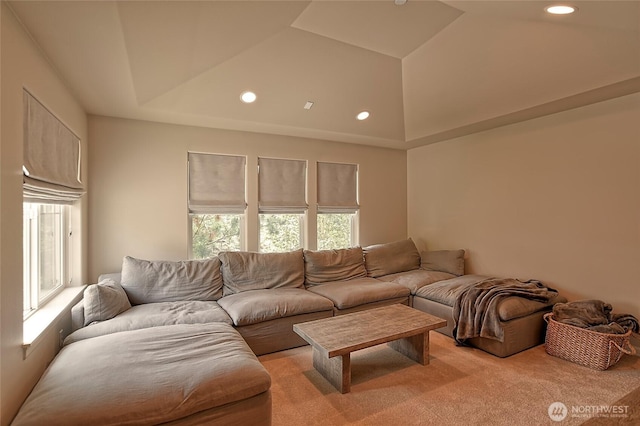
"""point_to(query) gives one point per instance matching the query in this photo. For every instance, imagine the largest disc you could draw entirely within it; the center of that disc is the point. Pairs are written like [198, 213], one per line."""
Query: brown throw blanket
[594, 315]
[475, 311]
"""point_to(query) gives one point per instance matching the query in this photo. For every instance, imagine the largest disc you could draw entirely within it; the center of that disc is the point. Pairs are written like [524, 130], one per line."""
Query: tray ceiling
[426, 71]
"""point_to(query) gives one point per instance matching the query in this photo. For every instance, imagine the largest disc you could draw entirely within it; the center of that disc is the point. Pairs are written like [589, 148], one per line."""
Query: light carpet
[460, 386]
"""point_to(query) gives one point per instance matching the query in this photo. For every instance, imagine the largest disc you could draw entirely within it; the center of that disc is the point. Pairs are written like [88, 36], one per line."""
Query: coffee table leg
[415, 347]
[336, 370]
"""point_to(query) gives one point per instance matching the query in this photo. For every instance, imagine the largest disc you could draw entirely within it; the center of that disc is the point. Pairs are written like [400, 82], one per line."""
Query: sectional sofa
[248, 302]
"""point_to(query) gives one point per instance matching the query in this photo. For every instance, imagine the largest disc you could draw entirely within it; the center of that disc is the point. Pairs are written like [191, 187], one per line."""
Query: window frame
[32, 253]
[353, 231]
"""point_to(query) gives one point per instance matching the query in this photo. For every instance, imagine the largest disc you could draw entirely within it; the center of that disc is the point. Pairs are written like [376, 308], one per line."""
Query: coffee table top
[344, 334]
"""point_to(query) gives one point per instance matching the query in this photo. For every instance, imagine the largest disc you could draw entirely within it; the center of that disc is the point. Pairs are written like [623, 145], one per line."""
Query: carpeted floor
[460, 386]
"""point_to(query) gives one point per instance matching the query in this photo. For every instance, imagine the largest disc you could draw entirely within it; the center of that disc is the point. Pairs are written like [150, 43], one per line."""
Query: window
[337, 230]
[337, 205]
[213, 233]
[46, 247]
[216, 203]
[281, 232]
[282, 204]
[51, 184]
[217, 208]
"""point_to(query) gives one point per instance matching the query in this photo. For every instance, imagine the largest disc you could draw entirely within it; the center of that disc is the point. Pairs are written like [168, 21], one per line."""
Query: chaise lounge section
[521, 320]
[187, 374]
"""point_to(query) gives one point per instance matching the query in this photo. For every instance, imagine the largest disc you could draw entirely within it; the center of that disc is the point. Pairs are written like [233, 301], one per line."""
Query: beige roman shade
[51, 168]
[282, 185]
[216, 183]
[337, 188]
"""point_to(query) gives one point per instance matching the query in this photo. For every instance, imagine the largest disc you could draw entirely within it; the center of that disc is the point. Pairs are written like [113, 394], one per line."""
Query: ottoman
[174, 374]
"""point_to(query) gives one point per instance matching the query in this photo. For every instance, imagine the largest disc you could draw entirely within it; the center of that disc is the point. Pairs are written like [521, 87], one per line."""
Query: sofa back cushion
[389, 258]
[148, 281]
[114, 276]
[450, 261]
[322, 266]
[243, 271]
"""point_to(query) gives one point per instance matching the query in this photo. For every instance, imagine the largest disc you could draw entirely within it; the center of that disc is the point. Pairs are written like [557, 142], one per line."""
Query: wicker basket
[585, 347]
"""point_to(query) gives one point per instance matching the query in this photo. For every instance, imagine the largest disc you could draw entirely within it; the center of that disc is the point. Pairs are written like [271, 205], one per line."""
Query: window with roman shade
[51, 168]
[216, 183]
[282, 186]
[337, 188]
[282, 204]
[337, 219]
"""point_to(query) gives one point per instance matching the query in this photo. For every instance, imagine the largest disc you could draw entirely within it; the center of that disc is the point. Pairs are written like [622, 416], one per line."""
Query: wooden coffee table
[333, 339]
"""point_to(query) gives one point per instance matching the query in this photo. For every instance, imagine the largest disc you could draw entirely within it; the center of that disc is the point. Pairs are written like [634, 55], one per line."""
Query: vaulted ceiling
[426, 71]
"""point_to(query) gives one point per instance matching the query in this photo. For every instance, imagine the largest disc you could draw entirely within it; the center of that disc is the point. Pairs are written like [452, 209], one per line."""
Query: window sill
[36, 325]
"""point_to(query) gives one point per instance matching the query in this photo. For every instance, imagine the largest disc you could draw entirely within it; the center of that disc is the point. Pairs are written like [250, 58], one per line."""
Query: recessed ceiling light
[560, 9]
[308, 105]
[399, 2]
[248, 97]
[363, 115]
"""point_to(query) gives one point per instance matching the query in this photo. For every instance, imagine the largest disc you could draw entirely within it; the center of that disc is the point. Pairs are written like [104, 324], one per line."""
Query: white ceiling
[427, 71]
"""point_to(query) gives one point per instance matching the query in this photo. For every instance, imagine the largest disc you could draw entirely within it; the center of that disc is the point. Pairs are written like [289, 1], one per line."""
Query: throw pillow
[451, 261]
[390, 258]
[104, 301]
[322, 266]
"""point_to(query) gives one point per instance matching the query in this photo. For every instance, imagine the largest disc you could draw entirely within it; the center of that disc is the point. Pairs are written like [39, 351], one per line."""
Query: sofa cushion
[516, 307]
[150, 315]
[322, 266]
[416, 279]
[243, 271]
[390, 258]
[151, 376]
[445, 292]
[250, 307]
[104, 301]
[359, 291]
[450, 261]
[148, 281]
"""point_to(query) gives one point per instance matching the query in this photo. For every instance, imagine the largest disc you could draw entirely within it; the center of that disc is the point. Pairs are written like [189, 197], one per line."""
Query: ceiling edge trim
[600, 94]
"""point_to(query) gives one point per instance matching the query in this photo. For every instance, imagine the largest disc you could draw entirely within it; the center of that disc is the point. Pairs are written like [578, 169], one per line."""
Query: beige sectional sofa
[258, 297]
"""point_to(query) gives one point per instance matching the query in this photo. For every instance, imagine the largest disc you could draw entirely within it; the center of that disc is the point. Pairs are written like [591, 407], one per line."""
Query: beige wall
[24, 66]
[556, 198]
[138, 192]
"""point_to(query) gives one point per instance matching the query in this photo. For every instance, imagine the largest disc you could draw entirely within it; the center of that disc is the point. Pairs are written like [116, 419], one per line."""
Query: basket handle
[630, 351]
[547, 316]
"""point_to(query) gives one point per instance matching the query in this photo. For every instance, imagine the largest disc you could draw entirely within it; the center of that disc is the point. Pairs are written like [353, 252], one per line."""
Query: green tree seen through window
[213, 233]
[280, 232]
[334, 230]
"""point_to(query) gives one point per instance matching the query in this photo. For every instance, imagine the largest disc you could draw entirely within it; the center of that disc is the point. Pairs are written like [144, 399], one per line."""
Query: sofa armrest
[77, 316]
